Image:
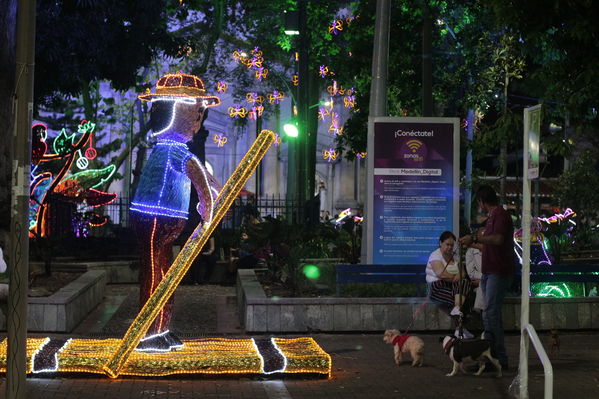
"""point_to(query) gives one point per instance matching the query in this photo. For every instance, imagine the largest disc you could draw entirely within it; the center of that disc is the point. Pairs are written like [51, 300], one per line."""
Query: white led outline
[55, 357]
[174, 100]
[272, 340]
[156, 349]
[38, 350]
[155, 210]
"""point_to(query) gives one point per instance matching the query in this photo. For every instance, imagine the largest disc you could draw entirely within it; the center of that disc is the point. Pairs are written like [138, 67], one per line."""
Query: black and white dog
[476, 350]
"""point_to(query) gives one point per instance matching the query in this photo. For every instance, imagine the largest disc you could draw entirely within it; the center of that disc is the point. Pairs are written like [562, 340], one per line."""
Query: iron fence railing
[116, 214]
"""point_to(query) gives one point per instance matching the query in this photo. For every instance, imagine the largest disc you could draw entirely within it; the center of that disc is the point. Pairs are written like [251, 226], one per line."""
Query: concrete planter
[261, 314]
[117, 271]
[66, 308]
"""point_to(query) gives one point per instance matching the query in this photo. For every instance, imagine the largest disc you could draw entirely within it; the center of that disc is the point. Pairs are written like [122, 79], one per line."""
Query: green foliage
[577, 189]
[291, 244]
[79, 42]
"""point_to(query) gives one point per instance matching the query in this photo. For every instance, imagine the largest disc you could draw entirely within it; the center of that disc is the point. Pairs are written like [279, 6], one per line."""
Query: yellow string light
[199, 356]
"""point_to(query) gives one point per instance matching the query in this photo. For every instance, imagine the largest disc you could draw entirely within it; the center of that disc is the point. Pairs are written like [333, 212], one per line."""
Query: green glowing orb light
[311, 271]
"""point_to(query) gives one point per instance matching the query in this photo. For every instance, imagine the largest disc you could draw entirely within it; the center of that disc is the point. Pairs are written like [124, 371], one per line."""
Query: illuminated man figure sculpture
[159, 208]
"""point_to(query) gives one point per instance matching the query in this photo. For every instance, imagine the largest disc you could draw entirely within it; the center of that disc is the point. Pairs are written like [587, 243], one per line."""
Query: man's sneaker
[465, 334]
[456, 312]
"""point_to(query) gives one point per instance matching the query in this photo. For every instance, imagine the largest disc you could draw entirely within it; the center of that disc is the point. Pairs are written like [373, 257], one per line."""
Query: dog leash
[416, 313]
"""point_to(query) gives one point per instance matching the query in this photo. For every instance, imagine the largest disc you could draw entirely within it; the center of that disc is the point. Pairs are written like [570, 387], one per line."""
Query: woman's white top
[436, 255]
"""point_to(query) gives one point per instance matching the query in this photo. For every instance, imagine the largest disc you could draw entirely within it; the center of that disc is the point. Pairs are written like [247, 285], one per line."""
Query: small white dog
[476, 350]
[405, 344]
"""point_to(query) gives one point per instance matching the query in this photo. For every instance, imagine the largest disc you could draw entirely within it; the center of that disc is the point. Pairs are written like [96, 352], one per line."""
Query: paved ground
[363, 365]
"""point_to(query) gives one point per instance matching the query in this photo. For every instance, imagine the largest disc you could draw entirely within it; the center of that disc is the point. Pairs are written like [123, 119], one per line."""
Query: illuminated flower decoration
[277, 139]
[220, 139]
[295, 80]
[349, 101]
[358, 219]
[349, 20]
[350, 91]
[329, 155]
[341, 91]
[237, 111]
[336, 26]
[261, 73]
[221, 86]
[360, 155]
[323, 71]
[323, 113]
[276, 97]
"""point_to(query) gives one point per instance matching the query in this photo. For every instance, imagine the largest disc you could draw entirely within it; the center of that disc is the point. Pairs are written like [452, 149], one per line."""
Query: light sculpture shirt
[164, 187]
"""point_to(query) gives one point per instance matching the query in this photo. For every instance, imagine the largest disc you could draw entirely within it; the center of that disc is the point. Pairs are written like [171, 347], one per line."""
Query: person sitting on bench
[447, 283]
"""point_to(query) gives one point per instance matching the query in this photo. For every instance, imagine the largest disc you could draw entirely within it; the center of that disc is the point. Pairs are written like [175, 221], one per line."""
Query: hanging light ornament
[336, 26]
[221, 86]
[276, 97]
[349, 101]
[295, 80]
[237, 111]
[256, 112]
[323, 113]
[220, 139]
[261, 73]
[323, 71]
[330, 154]
[254, 98]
